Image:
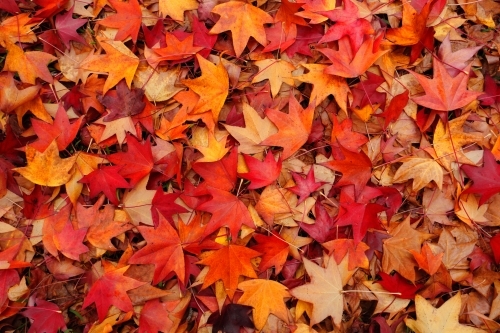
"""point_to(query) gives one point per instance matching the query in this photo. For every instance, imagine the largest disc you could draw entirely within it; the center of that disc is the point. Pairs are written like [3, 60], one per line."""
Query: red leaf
[397, 284]
[261, 173]
[111, 289]
[61, 130]
[66, 28]
[495, 247]
[355, 168]
[106, 180]
[127, 20]
[163, 249]
[220, 174]
[46, 317]
[227, 210]
[486, 179]
[123, 102]
[274, 251]
[304, 187]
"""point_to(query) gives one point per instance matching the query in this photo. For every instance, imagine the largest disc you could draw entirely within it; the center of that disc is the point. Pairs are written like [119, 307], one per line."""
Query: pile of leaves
[274, 166]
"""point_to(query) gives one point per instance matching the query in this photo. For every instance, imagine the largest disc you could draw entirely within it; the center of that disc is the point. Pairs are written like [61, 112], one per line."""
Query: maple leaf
[342, 134]
[101, 225]
[266, 297]
[427, 260]
[324, 291]
[347, 23]
[227, 264]
[49, 7]
[304, 186]
[123, 102]
[60, 131]
[127, 20]
[396, 106]
[277, 72]
[111, 289]
[413, 26]
[10, 6]
[355, 168]
[455, 62]
[397, 284]
[212, 87]
[293, 128]
[227, 210]
[45, 317]
[66, 28]
[262, 173]
[176, 49]
[136, 163]
[241, 26]
[486, 181]
[16, 29]
[339, 248]
[11, 97]
[444, 319]
[220, 174]
[325, 85]
[47, 168]
[255, 131]
[164, 249]
[164, 204]
[274, 251]
[119, 62]
[421, 170]
[397, 255]
[346, 63]
[106, 180]
[444, 92]
[176, 8]
[28, 65]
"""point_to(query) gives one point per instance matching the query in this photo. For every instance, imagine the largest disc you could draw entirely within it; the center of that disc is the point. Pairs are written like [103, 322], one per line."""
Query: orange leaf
[227, 264]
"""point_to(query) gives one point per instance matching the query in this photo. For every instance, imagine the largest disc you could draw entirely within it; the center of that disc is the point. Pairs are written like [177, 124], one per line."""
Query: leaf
[277, 72]
[123, 102]
[227, 210]
[274, 251]
[45, 317]
[106, 180]
[324, 291]
[355, 168]
[28, 65]
[266, 297]
[325, 85]
[176, 8]
[305, 186]
[212, 87]
[397, 284]
[293, 128]
[177, 49]
[111, 289]
[456, 61]
[486, 181]
[346, 63]
[227, 264]
[255, 131]
[164, 249]
[427, 260]
[220, 174]
[47, 168]
[444, 92]
[137, 162]
[119, 62]
[16, 28]
[127, 20]
[339, 248]
[397, 249]
[60, 131]
[421, 170]
[413, 27]
[261, 173]
[11, 97]
[66, 28]
[241, 26]
[444, 319]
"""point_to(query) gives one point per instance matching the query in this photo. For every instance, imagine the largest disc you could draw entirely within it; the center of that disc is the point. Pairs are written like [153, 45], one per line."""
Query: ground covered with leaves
[274, 166]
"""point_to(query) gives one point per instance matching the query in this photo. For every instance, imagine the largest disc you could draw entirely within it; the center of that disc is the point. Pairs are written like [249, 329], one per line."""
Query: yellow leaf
[47, 168]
